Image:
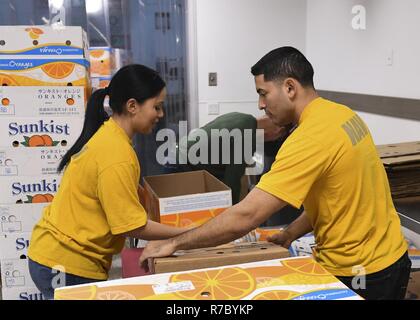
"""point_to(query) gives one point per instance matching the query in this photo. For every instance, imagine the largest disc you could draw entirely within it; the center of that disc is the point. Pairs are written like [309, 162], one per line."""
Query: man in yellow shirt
[329, 164]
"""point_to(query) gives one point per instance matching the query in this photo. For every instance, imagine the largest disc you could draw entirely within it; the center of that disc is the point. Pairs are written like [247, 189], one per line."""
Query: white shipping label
[173, 287]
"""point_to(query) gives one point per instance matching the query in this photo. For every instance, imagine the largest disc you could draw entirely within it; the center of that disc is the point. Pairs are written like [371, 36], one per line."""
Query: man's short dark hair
[285, 62]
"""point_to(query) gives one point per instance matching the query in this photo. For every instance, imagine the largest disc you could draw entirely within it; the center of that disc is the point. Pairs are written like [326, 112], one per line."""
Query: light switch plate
[213, 109]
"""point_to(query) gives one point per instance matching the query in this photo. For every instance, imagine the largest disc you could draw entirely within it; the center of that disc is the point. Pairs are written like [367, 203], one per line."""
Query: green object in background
[230, 173]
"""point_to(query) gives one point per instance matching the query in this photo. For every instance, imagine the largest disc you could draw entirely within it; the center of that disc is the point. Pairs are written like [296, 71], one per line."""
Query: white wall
[231, 36]
[356, 60]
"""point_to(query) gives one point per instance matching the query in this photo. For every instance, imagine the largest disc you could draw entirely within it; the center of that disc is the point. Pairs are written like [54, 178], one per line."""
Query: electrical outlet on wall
[213, 109]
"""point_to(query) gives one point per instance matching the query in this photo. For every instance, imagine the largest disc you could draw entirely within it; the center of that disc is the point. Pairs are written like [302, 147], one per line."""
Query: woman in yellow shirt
[97, 205]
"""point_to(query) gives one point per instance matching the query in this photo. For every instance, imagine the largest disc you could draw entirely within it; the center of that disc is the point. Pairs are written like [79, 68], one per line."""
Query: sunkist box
[51, 41]
[30, 161]
[14, 245]
[19, 217]
[39, 132]
[218, 256]
[44, 72]
[29, 189]
[185, 199]
[22, 293]
[15, 273]
[100, 62]
[42, 101]
[300, 278]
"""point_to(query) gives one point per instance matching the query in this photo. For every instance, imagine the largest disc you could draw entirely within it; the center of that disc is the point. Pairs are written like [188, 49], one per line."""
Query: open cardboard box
[185, 199]
[228, 254]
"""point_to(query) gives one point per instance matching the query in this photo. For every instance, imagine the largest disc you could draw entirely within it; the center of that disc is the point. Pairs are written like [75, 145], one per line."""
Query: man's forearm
[226, 227]
[299, 227]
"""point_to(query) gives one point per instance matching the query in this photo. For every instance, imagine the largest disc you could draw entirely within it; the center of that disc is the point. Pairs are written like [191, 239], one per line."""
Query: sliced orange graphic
[223, 284]
[58, 70]
[115, 295]
[5, 101]
[170, 220]
[79, 293]
[276, 295]
[97, 53]
[306, 266]
[6, 80]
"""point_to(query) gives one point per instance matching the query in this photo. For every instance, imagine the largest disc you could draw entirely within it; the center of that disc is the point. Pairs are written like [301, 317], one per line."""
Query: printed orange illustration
[40, 198]
[96, 53]
[34, 33]
[58, 70]
[70, 101]
[276, 295]
[39, 141]
[186, 219]
[5, 102]
[82, 293]
[6, 80]
[222, 284]
[306, 266]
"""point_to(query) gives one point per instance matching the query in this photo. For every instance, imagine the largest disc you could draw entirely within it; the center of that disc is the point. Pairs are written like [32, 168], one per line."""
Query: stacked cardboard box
[44, 78]
[298, 278]
[101, 66]
[402, 165]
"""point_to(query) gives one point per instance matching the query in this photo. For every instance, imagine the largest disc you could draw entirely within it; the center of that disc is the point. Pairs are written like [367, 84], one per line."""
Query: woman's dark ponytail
[95, 116]
[132, 81]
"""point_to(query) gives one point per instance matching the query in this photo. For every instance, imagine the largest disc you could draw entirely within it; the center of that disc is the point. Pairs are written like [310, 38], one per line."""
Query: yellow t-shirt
[331, 166]
[96, 202]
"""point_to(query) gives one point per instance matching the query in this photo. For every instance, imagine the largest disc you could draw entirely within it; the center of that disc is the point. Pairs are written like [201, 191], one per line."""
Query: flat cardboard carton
[28, 189]
[42, 101]
[281, 279]
[22, 293]
[44, 72]
[185, 199]
[100, 62]
[30, 161]
[19, 217]
[47, 41]
[14, 245]
[39, 132]
[219, 256]
[15, 273]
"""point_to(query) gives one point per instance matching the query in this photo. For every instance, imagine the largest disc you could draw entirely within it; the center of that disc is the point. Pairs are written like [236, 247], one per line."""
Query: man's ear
[290, 86]
[131, 106]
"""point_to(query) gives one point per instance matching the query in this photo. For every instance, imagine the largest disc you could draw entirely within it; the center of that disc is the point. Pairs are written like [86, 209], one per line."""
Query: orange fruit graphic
[48, 142]
[186, 219]
[58, 70]
[5, 101]
[6, 80]
[269, 272]
[97, 53]
[70, 101]
[36, 141]
[306, 266]
[276, 295]
[49, 197]
[79, 293]
[39, 198]
[115, 295]
[34, 33]
[222, 284]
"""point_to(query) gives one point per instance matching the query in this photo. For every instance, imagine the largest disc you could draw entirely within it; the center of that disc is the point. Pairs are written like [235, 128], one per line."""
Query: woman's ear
[131, 106]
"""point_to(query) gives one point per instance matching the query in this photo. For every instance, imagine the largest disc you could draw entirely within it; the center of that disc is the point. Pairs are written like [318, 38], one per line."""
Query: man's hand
[283, 238]
[156, 249]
